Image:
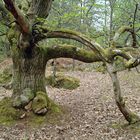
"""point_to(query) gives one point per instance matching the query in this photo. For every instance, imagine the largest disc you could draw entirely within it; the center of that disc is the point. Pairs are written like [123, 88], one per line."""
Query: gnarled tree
[29, 59]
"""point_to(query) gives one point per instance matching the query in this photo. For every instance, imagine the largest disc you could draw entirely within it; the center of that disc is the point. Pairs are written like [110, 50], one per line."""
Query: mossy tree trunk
[28, 75]
[28, 71]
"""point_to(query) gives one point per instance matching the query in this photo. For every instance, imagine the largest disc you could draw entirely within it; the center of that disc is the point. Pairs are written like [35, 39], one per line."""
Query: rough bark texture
[28, 71]
[40, 8]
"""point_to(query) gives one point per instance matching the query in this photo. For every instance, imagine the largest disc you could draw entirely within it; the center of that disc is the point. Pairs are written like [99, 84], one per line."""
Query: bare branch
[133, 33]
[134, 19]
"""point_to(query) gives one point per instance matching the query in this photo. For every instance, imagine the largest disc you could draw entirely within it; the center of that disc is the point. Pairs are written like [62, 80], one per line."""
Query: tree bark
[28, 71]
[129, 116]
[28, 75]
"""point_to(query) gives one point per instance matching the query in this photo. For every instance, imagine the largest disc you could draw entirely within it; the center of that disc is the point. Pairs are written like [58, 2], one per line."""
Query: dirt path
[91, 111]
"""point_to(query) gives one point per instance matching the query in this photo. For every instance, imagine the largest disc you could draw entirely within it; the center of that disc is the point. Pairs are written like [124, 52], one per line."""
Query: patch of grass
[61, 81]
[8, 114]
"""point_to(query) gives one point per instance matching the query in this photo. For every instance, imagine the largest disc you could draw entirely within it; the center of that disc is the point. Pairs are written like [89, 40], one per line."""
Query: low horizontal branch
[69, 51]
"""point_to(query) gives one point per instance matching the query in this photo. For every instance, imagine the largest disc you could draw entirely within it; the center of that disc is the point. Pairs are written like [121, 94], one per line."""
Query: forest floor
[91, 112]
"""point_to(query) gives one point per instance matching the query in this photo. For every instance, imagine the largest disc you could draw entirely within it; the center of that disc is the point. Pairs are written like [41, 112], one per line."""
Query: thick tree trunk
[29, 80]
[28, 72]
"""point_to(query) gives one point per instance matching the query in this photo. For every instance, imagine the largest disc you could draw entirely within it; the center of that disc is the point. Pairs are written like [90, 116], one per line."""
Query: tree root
[39, 103]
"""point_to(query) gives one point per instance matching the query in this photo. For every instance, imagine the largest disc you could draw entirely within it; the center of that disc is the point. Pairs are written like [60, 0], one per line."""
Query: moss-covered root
[42, 104]
[22, 100]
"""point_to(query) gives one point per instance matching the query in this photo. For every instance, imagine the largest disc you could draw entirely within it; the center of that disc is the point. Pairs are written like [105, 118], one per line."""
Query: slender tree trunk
[73, 64]
[105, 36]
[54, 68]
[111, 24]
[129, 116]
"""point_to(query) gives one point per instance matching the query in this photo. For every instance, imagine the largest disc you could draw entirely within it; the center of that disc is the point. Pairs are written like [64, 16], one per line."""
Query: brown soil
[91, 111]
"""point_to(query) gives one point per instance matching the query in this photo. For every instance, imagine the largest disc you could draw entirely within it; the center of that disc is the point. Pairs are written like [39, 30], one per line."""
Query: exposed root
[42, 104]
[22, 100]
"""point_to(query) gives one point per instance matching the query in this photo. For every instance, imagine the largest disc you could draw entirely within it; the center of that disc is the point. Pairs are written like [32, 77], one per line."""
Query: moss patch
[8, 114]
[42, 101]
[51, 117]
[119, 64]
[61, 81]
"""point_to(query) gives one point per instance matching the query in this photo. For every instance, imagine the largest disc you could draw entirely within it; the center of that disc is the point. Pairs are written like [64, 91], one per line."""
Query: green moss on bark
[43, 104]
[22, 100]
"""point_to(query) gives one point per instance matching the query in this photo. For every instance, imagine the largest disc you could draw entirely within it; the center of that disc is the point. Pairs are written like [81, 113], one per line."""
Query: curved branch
[122, 53]
[68, 34]
[69, 51]
[125, 53]
[105, 55]
[121, 31]
[20, 18]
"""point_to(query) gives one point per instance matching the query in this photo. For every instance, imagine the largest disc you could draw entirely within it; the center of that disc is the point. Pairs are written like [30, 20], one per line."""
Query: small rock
[29, 106]
[23, 116]
[60, 130]
[42, 111]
